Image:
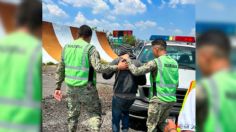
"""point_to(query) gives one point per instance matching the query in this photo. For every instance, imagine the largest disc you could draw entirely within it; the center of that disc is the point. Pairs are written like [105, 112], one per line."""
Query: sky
[216, 10]
[144, 17]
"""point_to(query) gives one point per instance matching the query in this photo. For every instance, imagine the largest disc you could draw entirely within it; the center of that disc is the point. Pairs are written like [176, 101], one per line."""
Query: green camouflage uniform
[158, 111]
[85, 96]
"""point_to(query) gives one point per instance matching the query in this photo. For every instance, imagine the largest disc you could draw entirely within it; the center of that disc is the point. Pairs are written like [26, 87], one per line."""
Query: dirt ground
[55, 113]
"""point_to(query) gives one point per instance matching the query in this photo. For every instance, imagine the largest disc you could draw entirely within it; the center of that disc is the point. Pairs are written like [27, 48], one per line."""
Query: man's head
[213, 51]
[29, 16]
[85, 32]
[126, 49]
[159, 47]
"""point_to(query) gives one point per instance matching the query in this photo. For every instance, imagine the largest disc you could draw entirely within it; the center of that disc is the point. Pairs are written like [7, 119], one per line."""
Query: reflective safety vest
[166, 80]
[221, 95]
[77, 66]
[20, 83]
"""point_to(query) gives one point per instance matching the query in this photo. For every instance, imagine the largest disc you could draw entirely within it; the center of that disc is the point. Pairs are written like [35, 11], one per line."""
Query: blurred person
[164, 79]
[20, 71]
[125, 89]
[216, 92]
[78, 67]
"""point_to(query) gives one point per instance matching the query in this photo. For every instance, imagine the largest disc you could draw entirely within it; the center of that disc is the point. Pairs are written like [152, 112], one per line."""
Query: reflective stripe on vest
[77, 68]
[33, 60]
[19, 127]
[76, 78]
[165, 94]
[20, 103]
[215, 104]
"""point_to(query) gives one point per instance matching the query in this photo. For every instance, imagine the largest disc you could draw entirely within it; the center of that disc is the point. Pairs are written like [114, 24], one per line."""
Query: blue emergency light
[173, 38]
[154, 37]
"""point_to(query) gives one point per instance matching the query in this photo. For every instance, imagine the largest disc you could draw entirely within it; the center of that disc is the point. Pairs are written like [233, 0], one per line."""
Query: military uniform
[160, 103]
[84, 96]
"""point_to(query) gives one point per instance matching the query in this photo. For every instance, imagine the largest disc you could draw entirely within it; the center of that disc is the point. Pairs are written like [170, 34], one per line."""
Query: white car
[184, 54]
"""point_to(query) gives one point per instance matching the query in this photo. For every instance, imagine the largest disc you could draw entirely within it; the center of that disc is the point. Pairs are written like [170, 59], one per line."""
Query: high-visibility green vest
[221, 95]
[76, 59]
[166, 79]
[20, 83]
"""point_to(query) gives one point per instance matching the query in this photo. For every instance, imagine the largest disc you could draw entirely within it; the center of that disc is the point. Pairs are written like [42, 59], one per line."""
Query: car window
[185, 56]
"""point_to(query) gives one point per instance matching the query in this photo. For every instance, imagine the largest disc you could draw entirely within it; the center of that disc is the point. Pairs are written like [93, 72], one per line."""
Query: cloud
[107, 25]
[96, 5]
[174, 3]
[178, 32]
[163, 3]
[160, 28]
[149, 1]
[48, 1]
[216, 6]
[100, 24]
[128, 7]
[110, 17]
[55, 10]
[145, 24]
[62, 3]
[128, 26]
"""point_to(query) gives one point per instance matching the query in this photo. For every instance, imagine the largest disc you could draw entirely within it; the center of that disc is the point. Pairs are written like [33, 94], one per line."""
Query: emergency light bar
[174, 38]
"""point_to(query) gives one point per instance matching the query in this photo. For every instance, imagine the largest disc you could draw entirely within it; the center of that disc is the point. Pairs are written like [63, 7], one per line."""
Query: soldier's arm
[109, 75]
[145, 68]
[97, 64]
[60, 75]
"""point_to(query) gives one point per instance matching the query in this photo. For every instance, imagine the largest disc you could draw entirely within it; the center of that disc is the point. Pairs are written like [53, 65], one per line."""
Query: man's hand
[125, 56]
[122, 65]
[170, 126]
[58, 95]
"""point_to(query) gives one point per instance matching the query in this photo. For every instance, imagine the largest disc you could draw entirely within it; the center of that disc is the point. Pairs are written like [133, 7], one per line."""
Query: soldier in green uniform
[20, 72]
[78, 67]
[216, 93]
[164, 80]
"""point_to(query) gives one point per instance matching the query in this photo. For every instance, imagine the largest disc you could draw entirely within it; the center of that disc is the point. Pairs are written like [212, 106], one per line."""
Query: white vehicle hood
[185, 78]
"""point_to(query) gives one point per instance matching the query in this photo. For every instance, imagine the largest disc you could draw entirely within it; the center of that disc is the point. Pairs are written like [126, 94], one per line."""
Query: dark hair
[85, 31]
[160, 42]
[217, 39]
[29, 13]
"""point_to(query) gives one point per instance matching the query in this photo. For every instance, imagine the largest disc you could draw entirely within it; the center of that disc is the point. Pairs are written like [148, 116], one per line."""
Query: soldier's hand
[125, 56]
[122, 65]
[58, 95]
[170, 126]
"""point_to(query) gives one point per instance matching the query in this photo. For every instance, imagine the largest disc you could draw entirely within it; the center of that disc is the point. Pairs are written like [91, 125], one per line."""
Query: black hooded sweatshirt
[126, 84]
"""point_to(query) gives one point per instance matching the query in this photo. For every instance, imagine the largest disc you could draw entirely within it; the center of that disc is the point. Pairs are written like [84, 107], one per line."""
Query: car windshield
[185, 56]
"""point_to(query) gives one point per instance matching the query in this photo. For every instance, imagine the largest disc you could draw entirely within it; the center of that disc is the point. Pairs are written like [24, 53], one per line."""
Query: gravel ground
[55, 113]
